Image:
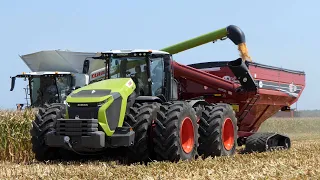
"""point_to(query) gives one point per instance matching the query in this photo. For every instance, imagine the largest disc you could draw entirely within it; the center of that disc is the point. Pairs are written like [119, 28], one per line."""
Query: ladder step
[248, 106]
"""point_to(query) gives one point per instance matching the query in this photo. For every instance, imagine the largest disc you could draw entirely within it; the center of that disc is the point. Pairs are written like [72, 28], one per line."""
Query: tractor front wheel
[176, 132]
[44, 123]
[140, 118]
[218, 131]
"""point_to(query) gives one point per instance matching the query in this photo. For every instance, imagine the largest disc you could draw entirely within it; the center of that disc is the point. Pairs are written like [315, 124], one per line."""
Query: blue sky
[279, 33]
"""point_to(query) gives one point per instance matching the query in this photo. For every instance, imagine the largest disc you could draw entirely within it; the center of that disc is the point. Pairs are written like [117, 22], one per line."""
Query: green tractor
[119, 112]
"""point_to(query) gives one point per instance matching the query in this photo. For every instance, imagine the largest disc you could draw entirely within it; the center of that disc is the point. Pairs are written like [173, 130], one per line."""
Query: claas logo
[98, 74]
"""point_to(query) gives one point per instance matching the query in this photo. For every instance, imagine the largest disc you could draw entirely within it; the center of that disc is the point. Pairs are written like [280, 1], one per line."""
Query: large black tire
[213, 132]
[169, 134]
[44, 123]
[140, 118]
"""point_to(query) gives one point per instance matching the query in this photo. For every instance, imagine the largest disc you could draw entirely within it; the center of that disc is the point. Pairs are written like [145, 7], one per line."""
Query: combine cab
[57, 73]
[161, 109]
[46, 87]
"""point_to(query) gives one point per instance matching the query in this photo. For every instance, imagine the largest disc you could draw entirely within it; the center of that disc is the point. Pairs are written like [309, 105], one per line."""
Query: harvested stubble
[301, 162]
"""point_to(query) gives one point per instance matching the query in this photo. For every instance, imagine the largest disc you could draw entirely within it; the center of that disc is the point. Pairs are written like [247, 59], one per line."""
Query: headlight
[101, 103]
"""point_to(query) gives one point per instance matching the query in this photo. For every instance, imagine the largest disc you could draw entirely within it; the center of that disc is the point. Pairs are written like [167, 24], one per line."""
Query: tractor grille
[76, 127]
[83, 112]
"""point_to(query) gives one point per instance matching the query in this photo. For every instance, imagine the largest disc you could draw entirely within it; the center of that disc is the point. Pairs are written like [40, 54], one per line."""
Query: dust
[242, 47]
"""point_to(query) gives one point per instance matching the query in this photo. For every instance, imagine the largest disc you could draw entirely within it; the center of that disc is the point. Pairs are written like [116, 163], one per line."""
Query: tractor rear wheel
[44, 123]
[176, 132]
[218, 131]
[140, 118]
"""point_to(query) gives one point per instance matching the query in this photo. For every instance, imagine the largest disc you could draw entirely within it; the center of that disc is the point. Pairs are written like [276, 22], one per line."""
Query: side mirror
[13, 82]
[86, 65]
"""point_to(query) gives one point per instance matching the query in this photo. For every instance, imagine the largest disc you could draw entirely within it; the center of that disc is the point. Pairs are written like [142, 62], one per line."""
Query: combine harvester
[65, 71]
[170, 111]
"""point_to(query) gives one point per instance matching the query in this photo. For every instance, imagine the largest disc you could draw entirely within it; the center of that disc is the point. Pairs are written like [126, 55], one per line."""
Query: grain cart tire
[176, 132]
[218, 131]
[44, 122]
[140, 118]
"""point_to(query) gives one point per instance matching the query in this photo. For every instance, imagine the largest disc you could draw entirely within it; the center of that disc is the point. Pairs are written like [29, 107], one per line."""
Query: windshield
[136, 68]
[133, 67]
[49, 89]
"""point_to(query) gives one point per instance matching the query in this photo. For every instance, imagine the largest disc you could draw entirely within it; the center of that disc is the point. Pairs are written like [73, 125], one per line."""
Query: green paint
[115, 85]
[197, 41]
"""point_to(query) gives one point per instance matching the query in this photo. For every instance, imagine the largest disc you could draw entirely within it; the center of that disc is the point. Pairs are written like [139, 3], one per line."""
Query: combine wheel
[176, 132]
[140, 118]
[218, 131]
[43, 124]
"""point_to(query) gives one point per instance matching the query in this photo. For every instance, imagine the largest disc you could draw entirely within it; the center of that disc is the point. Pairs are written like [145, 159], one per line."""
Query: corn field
[15, 143]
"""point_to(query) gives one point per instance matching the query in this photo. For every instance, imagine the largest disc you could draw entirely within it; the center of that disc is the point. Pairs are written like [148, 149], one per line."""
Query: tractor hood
[104, 100]
[101, 91]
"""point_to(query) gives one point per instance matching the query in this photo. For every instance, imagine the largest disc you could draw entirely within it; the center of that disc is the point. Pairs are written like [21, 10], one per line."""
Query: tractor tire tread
[167, 138]
[140, 118]
[44, 123]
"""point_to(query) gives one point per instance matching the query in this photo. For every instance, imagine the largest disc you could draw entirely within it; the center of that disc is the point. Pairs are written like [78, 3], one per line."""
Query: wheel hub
[187, 135]
[228, 134]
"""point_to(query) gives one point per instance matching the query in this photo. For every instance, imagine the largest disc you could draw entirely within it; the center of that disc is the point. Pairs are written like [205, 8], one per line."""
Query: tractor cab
[149, 69]
[46, 87]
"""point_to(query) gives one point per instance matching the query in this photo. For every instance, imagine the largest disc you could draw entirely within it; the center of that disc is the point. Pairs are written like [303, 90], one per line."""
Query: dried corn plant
[15, 128]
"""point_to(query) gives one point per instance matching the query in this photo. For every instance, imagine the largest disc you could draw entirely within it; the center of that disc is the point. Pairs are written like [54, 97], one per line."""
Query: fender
[195, 103]
[148, 99]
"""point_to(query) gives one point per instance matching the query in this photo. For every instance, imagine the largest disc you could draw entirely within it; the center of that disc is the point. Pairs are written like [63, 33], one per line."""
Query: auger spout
[232, 32]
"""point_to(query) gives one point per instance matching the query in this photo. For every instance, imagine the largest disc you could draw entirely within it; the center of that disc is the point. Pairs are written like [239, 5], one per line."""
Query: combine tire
[218, 131]
[140, 118]
[44, 122]
[176, 132]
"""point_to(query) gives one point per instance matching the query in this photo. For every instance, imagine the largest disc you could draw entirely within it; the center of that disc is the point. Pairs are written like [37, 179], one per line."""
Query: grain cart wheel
[44, 122]
[140, 118]
[218, 131]
[176, 132]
